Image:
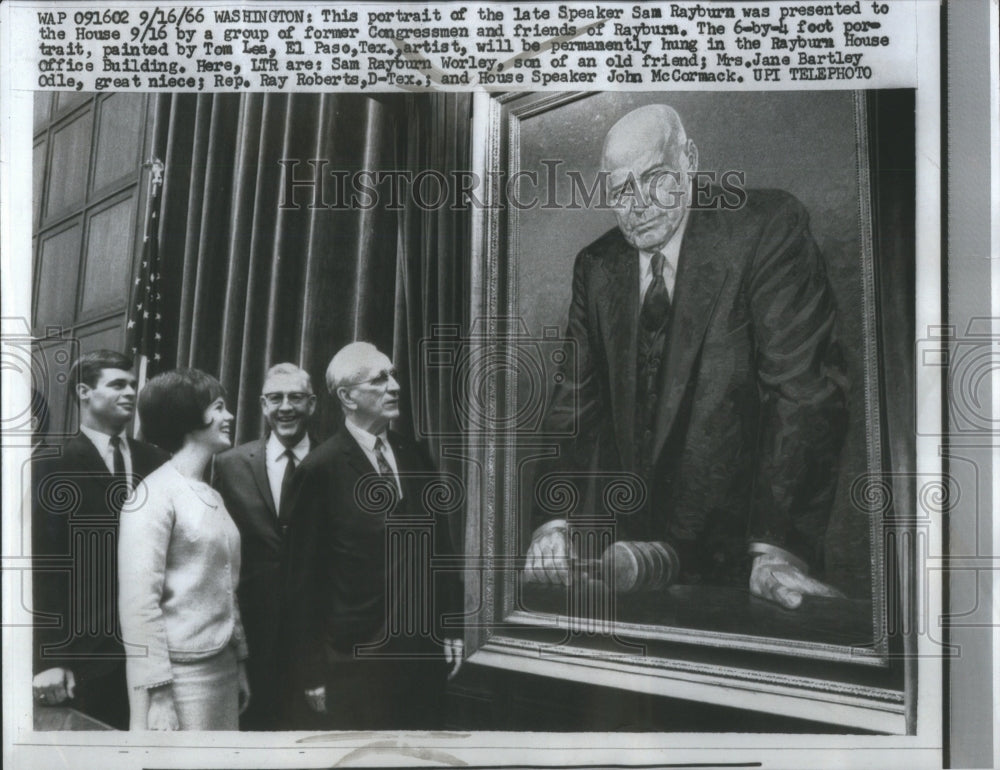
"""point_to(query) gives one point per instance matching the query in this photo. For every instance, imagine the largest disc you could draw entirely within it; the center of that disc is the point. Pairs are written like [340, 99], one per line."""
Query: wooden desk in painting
[702, 608]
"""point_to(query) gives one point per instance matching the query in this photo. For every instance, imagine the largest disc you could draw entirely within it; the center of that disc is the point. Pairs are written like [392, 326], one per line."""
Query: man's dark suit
[748, 417]
[240, 475]
[76, 503]
[358, 574]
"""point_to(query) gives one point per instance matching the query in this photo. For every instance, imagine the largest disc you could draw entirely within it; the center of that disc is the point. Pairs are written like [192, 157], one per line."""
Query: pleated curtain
[248, 282]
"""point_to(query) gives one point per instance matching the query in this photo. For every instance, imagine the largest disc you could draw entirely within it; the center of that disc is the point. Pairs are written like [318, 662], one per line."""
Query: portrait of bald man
[253, 479]
[368, 650]
[707, 365]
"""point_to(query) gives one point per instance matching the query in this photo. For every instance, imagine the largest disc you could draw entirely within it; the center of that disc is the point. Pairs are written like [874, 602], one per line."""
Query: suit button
[647, 435]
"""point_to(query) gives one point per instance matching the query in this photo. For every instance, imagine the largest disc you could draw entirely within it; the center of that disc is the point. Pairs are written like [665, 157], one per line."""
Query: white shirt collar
[276, 449]
[103, 441]
[365, 439]
[671, 251]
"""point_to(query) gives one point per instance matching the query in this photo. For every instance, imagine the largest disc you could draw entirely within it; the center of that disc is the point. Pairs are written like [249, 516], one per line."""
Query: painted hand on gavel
[548, 559]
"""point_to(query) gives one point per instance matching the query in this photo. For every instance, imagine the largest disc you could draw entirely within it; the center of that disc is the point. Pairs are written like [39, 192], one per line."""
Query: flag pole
[141, 315]
[155, 166]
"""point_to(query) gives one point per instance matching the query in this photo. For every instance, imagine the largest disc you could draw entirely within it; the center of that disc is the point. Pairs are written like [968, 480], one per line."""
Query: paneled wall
[87, 220]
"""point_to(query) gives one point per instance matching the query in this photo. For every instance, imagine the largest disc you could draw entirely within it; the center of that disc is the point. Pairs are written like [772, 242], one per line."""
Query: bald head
[364, 381]
[655, 125]
[648, 157]
[350, 365]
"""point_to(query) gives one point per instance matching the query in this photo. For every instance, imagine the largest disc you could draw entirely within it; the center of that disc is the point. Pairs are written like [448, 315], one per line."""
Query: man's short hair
[292, 369]
[344, 366]
[88, 367]
[173, 405]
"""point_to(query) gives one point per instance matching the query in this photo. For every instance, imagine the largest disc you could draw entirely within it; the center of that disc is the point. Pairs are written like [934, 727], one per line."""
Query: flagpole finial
[155, 165]
[156, 168]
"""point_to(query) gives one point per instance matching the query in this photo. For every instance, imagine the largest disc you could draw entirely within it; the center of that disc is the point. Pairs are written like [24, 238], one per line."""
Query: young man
[78, 494]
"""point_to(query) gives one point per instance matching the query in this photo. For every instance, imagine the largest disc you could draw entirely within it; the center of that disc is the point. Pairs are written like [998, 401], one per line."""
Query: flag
[143, 333]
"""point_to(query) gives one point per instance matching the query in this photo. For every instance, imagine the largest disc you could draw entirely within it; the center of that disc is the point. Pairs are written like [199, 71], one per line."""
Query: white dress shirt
[103, 443]
[671, 254]
[276, 460]
[366, 441]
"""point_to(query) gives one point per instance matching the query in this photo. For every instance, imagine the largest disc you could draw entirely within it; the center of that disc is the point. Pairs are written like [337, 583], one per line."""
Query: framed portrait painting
[638, 479]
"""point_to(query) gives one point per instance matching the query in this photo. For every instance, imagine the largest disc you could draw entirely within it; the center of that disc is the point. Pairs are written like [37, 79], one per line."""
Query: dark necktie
[656, 303]
[118, 461]
[384, 468]
[286, 480]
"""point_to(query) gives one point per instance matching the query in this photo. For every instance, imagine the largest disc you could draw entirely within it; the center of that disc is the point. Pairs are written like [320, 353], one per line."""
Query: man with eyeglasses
[368, 650]
[253, 479]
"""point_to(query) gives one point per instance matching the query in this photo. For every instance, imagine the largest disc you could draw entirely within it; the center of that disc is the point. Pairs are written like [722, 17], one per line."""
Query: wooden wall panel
[107, 259]
[87, 198]
[42, 108]
[119, 138]
[59, 258]
[37, 180]
[67, 175]
[67, 100]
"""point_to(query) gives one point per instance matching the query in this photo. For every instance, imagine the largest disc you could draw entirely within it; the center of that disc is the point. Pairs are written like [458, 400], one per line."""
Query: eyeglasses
[380, 380]
[295, 399]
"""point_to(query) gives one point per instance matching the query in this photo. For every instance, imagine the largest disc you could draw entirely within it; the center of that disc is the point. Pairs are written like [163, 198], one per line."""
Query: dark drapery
[249, 282]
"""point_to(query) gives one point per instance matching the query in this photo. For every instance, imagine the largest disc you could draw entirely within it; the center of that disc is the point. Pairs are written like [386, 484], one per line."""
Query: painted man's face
[649, 183]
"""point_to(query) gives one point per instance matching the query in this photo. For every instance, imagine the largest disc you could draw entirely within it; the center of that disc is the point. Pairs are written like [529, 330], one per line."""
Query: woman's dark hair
[173, 404]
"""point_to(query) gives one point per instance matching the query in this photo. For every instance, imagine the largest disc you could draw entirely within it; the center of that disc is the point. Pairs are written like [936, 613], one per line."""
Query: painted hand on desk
[53, 686]
[779, 580]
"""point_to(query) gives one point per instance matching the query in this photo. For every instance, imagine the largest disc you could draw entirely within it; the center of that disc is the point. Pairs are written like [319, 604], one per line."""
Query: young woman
[179, 566]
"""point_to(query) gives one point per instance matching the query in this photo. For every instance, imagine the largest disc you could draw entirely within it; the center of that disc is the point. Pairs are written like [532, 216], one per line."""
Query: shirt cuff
[766, 549]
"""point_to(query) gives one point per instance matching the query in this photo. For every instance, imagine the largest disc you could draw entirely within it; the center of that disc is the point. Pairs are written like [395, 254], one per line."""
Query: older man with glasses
[253, 479]
[366, 587]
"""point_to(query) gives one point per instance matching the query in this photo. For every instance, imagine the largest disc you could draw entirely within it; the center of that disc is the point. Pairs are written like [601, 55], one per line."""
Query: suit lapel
[84, 453]
[354, 455]
[701, 276]
[618, 314]
[87, 470]
[257, 458]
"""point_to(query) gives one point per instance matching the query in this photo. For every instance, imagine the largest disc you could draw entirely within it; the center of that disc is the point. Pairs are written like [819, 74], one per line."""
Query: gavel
[633, 565]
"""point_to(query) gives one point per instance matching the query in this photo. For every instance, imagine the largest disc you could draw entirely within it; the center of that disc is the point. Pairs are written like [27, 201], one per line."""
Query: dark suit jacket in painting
[366, 608]
[240, 475]
[75, 507]
[749, 414]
